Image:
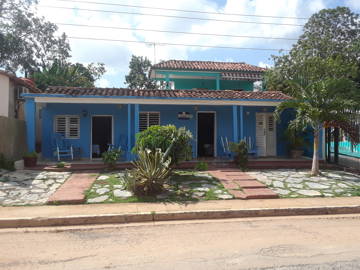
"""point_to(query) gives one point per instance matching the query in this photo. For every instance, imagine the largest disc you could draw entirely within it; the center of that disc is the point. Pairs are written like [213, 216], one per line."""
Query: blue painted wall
[168, 115]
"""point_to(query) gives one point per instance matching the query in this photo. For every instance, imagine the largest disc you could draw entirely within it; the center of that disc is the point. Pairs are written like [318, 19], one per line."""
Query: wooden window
[68, 126]
[148, 119]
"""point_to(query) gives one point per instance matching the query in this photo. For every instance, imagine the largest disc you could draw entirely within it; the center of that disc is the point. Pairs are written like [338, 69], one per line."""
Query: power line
[177, 44]
[168, 16]
[170, 31]
[184, 10]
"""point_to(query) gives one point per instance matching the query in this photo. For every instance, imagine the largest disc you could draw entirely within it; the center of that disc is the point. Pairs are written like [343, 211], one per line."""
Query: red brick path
[243, 186]
[73, 190]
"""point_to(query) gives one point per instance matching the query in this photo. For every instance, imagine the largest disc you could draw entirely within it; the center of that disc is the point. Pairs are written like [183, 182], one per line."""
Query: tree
[328, 33]
[321, 72]
[28, 42]
[67, 74]
[139, 75]
[317, 101]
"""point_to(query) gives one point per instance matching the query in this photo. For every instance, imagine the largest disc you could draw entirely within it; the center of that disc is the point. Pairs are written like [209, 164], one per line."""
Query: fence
[347, 149]
[12, 138]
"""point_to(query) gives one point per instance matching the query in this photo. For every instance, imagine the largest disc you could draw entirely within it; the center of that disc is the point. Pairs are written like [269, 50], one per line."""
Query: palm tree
[316, 103]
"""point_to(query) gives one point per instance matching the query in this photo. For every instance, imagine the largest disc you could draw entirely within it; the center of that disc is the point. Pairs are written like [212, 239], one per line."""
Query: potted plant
[240, 151]
[30, 159]
[296, 142]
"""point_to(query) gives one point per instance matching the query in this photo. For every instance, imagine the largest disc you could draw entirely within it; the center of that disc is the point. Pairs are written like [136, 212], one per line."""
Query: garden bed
[182, 186]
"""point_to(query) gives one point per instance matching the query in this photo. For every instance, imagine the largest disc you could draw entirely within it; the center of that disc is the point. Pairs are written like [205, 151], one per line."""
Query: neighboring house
[214, 100]
[12, 124]
[11, 88]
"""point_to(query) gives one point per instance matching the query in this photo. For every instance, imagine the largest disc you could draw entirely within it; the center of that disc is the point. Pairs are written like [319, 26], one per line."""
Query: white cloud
[116, 55]
[264, 65]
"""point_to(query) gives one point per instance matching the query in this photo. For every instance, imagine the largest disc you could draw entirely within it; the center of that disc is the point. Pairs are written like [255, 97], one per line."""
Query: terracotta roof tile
[207, 66]
[208, 94]
[22, 81]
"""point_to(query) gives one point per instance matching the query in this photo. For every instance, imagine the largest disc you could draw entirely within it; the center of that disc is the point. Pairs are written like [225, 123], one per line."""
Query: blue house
[216, 101]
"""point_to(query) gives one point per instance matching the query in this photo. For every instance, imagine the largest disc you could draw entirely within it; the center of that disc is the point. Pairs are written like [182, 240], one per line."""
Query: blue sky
[116, 55]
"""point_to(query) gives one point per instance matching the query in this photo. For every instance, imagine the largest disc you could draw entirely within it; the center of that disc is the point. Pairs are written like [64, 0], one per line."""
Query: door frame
[266, 114]
[91, 130]
[215, 131]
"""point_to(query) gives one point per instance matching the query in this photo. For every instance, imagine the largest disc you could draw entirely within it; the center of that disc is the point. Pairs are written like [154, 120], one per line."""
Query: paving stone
[313, 185]
[119, 186]
[224, 196]
[309, 192]
[122, 193]
[297, 186]
[281, 191]
[103, 177]
[197, 194]
[98, 199]
[278, 184]
[201, 189]
[102, 191]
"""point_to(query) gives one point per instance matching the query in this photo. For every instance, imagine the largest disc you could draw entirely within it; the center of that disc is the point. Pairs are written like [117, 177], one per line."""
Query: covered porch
[90, 123]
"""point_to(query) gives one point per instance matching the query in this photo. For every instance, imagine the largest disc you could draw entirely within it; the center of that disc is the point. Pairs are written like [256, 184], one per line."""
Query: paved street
[263, 243]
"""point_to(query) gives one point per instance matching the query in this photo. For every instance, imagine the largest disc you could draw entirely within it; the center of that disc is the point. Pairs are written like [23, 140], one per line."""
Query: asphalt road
[263, 243]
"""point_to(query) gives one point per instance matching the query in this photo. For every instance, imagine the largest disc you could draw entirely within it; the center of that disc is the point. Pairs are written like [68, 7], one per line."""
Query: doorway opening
[206, 134]
[101, 135]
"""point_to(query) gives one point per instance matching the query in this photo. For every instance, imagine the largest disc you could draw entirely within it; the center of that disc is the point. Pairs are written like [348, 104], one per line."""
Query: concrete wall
[12, 138]
[4, 95]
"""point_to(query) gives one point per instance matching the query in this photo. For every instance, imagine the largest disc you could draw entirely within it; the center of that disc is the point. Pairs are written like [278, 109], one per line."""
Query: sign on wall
[184, 116]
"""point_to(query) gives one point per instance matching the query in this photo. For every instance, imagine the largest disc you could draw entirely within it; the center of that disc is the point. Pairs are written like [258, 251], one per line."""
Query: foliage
[202, 166]
[6, 164]
[161, 137]
[296, 140]
[111, 157]
[330, 43]
[67, 74]
[28, 42]
[241, 153]
[316, 103]
[151, 171]
[139, 75]
[30, 155]
[61, 164]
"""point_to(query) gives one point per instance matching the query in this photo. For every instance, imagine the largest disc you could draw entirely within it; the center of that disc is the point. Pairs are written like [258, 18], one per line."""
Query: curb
[173, 216]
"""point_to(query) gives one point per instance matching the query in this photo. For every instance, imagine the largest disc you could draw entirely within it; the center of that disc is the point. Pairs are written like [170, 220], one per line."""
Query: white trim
[91, 129]
[67, 125]
[148, 112]
[215, 131]
[155, 101]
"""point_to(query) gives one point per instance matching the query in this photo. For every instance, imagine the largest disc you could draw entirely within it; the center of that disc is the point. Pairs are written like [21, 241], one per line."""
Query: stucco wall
[4, 94]
[168, 115]
[12, 138]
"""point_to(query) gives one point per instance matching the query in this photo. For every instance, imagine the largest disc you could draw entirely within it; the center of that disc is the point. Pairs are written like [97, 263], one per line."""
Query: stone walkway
[243, 186]
[291, 183]
[73, 191]
[29, 187]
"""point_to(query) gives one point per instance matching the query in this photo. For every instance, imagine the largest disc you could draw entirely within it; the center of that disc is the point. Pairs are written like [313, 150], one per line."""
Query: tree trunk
[315, 162]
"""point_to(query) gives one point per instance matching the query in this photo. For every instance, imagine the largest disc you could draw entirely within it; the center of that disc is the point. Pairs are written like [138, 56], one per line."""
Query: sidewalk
[36, 216]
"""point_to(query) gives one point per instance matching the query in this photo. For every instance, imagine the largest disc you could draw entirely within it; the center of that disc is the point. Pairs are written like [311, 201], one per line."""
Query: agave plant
[151, 171]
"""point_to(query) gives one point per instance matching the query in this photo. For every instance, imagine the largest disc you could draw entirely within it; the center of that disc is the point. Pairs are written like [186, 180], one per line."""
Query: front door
[206, 134]
[265, 134]
[101, 135]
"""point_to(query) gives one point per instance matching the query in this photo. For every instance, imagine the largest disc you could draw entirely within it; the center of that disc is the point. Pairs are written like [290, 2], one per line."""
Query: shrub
[162, 137]
[241, 154]
[201, 166]
[151, 171]
[110, 157]
[6, 164]
[30, 155]
[60, 164]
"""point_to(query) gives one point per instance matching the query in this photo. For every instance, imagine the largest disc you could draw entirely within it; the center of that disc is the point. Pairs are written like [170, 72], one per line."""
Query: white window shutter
[68, 126]
[148, 119]
[60, 125]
